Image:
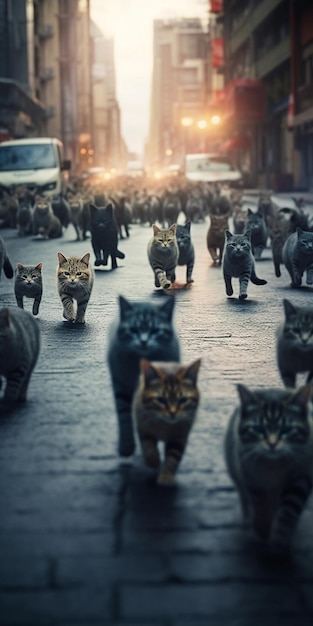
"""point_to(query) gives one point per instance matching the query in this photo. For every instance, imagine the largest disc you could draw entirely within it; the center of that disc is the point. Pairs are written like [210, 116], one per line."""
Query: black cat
[104, 235]
[186, 249]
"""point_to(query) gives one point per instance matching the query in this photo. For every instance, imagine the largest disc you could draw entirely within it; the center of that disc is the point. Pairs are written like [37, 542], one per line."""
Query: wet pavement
[87, 541]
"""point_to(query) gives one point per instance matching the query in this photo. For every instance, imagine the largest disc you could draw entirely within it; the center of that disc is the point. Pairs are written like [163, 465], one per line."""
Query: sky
[130, 24]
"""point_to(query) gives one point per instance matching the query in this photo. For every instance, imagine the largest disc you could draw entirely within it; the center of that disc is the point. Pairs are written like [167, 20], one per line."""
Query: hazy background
[130, 23]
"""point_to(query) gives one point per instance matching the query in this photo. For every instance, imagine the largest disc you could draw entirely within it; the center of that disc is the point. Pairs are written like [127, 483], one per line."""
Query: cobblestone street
[86, 540]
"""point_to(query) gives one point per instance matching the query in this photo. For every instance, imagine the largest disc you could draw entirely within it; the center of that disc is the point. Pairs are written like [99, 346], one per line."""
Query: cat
[45, 223]
[256, 223]
[171, 207]
[269, 455]
[19, 350]
[75, 281]
[215, 238]
[239, 218]
[104, 235]
[143, 330]
[238, 262]
[297, 256]
[28, 283]
[294, 343]
[164, 409]
[5, 263]
[163, 255]
[286, 222]
[186, 249]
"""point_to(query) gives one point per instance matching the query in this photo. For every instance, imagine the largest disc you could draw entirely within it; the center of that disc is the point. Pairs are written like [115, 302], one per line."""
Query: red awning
[236, 143]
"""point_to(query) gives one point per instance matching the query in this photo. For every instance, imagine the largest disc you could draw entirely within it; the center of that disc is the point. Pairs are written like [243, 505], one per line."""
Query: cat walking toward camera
[141, 330]
[297, 255]
[163, 253]
[269, 456]
[104, 235]
[238, 262]
[19, 350]
[294, 345]
[5, 263]
[75, 280]
[28, 284]
[186, 249]
[164, 410]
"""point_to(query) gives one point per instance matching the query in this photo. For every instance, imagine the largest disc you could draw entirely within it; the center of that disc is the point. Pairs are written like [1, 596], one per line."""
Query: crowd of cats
[268, 443]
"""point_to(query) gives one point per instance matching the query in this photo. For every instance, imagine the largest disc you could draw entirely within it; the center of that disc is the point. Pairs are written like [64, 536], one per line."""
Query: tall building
[179, 89]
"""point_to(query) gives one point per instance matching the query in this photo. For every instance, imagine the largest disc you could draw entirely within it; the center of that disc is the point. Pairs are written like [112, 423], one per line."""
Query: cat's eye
[78, 273]
[162, 400]
[66, 273]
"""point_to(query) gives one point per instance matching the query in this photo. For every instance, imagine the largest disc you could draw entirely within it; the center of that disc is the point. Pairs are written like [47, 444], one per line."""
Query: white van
[210, 168]
[36, 162]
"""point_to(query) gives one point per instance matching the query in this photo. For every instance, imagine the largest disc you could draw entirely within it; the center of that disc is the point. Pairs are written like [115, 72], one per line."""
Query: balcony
[273, 58]
[304, 97]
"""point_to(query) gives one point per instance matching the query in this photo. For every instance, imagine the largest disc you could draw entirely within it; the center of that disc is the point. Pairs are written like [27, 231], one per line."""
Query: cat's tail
[7, 267]
[257, 281]
[119, 254]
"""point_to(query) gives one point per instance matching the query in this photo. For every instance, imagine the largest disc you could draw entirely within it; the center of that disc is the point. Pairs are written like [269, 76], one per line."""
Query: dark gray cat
[28, 284]
[295, 343]
[297, 256]
[19, 350]
[269, 456]
[5, 263]
[238, 262]
[143, 330]
[104, 235]
[186, 249]
[256, 223]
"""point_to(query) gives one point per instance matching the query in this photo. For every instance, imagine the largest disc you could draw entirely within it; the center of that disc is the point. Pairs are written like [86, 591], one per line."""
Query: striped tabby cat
[163, 255]
[215, 239]
[256, 223]
[164, 409]
[238, 262]
[186, 249]
[19, 350]
[297, 256]
[28, 284]
[143, 330]
[295, 343]
[75, 281]
[269, 455]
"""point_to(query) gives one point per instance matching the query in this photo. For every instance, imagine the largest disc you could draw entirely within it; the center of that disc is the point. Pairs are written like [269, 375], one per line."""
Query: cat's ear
[247, 234]
[148, 370]
[246, 395]
[191, 371]
[302, 395]
[289, 308]
[20, 266]
[156, 229]
[38, 266]
[250, 212]
[5, 316]
[93, 208]
[125, 305]
[173, 228]
[109, 208]
[168, 307]
[299, 231]
[228, 234]
[85, 258]
[187, 225]
[62, 258]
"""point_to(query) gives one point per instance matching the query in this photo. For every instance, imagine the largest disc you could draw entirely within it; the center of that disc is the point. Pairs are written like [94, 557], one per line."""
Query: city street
[86, 540]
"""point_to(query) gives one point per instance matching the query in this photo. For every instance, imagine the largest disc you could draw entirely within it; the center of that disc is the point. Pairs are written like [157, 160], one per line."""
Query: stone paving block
[20, 573]
[46, 544]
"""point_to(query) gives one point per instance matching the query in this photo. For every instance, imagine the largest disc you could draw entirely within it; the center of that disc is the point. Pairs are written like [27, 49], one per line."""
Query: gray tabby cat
[256, 223]
[163, 255]
[269, 455]
[28, 284]
[143, 330]
[164, 409]
[5, 263]
[238, 262]
[186, 249]
[297, 255]
[75, 279]
[295, 343]
[19, 350]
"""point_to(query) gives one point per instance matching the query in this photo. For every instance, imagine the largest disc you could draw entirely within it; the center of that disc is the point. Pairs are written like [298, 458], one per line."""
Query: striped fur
[19, 350]
[163, 255]
[164, 409]
[295, 343]
[75, 281]
[238, 262]
[269, 455]
[28, 284]
[143, 330]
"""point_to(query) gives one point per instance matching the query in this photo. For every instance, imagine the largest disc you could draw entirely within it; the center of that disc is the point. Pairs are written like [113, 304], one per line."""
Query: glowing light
[168, 152]
[215, 119]
[186, 121]
[202, 124]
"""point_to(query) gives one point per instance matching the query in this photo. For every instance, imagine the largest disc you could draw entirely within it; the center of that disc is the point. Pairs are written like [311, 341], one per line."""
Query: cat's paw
[166, 480]
[243, 296]
[98, 262]
[166, 284]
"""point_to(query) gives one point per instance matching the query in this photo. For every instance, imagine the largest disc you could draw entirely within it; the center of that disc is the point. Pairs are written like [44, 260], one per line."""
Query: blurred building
[179, 90]
[268, 92]
[46, 80]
